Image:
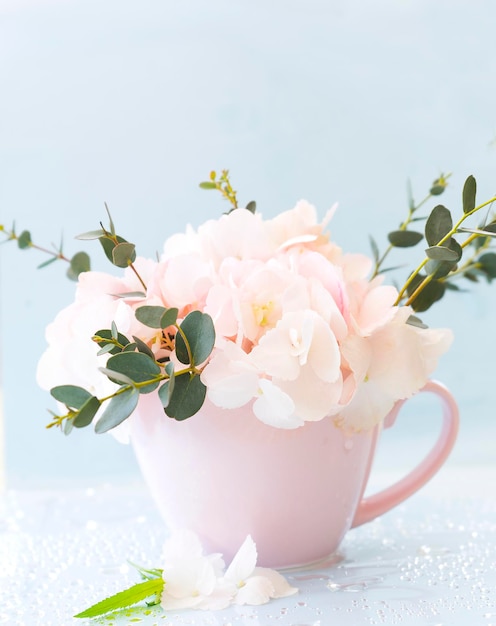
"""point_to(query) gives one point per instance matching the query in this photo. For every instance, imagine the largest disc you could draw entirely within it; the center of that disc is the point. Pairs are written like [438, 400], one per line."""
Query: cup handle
[381, 502]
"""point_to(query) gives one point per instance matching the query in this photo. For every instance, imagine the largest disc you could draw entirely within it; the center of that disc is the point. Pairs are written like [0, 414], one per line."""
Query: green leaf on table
[438, 225]
[468, 194]
[24, 240]
[70, 395]
[86, 413]
[137, 366]
[404, 238]
[123, 599]
[119, 408]
[79, 263]
[187, 397]
[199, 331]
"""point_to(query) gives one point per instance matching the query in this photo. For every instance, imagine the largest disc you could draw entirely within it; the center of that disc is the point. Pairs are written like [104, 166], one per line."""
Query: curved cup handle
[379, 503]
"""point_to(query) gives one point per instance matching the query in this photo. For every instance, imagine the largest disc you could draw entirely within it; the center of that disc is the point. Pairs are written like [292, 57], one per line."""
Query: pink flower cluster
[301, 330]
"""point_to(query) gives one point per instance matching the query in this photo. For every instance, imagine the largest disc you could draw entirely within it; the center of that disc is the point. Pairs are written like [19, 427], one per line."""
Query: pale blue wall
[132, 103]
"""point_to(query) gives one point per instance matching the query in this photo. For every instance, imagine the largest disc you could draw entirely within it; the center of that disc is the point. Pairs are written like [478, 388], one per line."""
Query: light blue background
[133, 103]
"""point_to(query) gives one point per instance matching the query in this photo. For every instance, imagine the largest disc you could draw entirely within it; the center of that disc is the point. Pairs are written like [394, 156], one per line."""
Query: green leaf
[187, 397]
[487, 263]
[123, 254]
[46, 263]
[67, 427]
[111, 222]
[199, 331]
[409, 194]
[123, 599]
[208, 185]
[375, 248]
[79, 263]
[438, 186]
[251, 206]
[430, 294]
[107, 334]
[130, 294]
[147, 573]
[156, 316]
[87, 412]
[468, 194]
[442, 253]
[119, 408]
[440, 268]
[438, 225]
[108, 245]
[24, 240]
[143, 347]
[137, 366]
[404, 238]
[169, 318]
[117, 377]
[413, 320]
[71, 395]
[109, 347]
[91, 234]
[165, 391]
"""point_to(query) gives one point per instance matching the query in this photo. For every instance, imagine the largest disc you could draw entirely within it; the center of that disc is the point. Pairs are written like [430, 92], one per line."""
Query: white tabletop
[430, 561]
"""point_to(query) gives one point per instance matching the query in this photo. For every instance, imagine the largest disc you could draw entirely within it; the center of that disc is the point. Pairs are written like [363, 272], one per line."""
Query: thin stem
[138, 276]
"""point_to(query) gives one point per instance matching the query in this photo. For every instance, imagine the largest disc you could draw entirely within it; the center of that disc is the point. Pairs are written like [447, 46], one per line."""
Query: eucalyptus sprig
[223, 184]
[436, 273]
[79, 262]
[133, 366]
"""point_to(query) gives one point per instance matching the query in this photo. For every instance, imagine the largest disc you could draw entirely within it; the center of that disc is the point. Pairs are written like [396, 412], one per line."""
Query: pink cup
[224, 474]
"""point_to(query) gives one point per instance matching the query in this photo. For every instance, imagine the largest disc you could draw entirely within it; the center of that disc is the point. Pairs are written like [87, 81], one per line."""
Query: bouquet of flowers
[269, 313]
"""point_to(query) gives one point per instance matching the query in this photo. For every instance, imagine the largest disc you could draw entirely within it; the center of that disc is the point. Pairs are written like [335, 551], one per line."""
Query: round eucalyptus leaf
[150, 316]
[404, 238]
[487, 263]
[442, 253]
[137, 366]
[86, 413]
[187, 397]
[71, 395]
[199, 331]
[24, 240]
[119, 408]
[123, 254]
[438, 225]
[79, 263]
